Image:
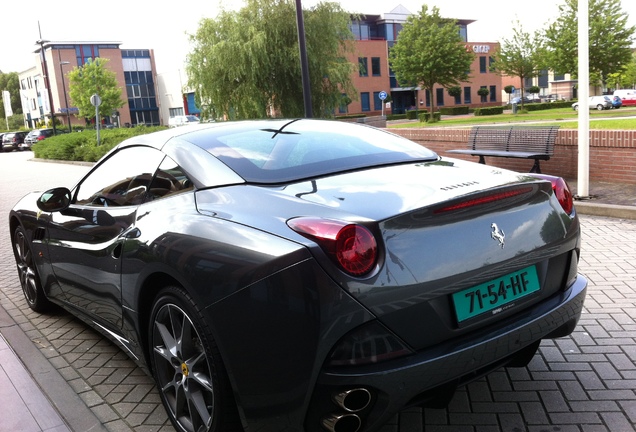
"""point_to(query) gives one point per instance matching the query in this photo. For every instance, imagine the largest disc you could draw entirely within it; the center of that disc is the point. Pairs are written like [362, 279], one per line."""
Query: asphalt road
[583, 383]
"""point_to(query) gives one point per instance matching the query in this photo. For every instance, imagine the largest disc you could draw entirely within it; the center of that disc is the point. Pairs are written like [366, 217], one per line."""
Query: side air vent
[39, 234]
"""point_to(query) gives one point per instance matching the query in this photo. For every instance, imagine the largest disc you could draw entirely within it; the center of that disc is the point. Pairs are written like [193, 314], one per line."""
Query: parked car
[182, 120]
[553, 98]
[526, 100]
[37, 135]
[12, 140]
[623, 93]
[304, 274]
[617, 102]
[596, 102]
[629, 101]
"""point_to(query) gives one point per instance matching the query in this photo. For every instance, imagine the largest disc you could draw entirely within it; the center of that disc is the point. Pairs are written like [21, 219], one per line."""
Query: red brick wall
[612, 152]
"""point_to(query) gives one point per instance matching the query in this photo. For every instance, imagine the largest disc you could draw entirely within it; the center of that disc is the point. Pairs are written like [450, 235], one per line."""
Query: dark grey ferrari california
[290, 275]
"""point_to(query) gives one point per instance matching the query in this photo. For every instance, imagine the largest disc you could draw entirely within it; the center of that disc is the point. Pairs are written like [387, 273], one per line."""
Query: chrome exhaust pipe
[353, 400]
[342, 423]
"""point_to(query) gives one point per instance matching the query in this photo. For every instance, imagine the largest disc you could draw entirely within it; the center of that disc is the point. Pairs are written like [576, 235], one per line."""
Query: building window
[493, 93]
[543, 79]
[467, 95]
[364, 67]
[375, 66]
[482, 64]
[559, 77]
[84, 53]
[176, 112]
[365, 102]
[377, 102]
[439, 96]
[458, 99]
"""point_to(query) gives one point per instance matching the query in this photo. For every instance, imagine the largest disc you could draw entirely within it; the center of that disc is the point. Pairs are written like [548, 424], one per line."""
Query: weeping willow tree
[246, 63]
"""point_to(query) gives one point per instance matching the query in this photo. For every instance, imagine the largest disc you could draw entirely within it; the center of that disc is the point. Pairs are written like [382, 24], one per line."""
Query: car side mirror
[54, 200]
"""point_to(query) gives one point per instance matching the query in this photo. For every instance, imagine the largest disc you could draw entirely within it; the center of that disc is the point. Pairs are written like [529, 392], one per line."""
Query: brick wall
[612, 152]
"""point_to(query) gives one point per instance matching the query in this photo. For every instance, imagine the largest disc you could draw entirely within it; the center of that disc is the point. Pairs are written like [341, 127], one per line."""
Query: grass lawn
[567, 118]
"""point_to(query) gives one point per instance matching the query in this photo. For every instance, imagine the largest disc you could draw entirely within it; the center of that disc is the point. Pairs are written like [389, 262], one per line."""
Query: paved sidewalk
[58, 375]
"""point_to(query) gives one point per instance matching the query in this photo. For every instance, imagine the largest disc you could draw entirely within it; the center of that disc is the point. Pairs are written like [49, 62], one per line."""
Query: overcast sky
[164, 26]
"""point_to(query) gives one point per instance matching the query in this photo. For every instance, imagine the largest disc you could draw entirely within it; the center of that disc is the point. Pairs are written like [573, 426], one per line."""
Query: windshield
[283, 151]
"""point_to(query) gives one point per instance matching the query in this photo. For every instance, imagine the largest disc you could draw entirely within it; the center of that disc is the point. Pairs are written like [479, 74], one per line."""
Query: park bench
[525, 142]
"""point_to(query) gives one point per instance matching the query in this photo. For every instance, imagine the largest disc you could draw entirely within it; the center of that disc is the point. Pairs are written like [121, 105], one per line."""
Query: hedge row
[82, 146]
[489, 111]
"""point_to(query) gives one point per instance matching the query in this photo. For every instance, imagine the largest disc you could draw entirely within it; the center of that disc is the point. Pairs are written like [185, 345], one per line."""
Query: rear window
[283, 151]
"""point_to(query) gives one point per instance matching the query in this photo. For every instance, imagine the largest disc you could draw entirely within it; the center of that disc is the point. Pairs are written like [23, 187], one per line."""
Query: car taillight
[561, 191]
[351, 246]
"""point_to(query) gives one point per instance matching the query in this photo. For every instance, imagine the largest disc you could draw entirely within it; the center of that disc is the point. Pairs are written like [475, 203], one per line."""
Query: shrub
[489, 111]
[82, 146]
[426, 116]
[456, 110]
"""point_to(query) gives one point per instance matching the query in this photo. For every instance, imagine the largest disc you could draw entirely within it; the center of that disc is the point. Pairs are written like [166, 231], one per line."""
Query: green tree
[522, 56]
[610, 39]
[94, 78]
[509, 89]
[430, 51]
[246, 64]
[625, 78]
[11, 83]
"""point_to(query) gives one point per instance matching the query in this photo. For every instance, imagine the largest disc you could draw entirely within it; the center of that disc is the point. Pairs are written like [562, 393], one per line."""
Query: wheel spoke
[182, 369]
[197, 403]
[169, 348]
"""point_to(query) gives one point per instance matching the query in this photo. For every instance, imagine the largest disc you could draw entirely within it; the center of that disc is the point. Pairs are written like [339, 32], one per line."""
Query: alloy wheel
[182, 369]
[26, 272]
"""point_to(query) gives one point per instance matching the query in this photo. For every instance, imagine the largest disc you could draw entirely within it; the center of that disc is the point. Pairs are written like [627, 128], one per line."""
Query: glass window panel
[377, 102]
[363, 65]
[120, 179]
[439, 96]
[364, 100]
[375, 66]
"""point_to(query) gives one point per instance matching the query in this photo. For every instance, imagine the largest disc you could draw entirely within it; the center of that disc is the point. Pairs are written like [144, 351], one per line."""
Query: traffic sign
[382, 95]
[96, 100]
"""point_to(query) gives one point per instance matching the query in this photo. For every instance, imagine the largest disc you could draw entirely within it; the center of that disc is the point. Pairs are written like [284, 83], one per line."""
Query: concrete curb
[607, 210]
[64, 398]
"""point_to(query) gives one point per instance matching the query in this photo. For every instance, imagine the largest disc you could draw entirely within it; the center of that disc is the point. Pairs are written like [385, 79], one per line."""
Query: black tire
[187, 367]
[28, 274]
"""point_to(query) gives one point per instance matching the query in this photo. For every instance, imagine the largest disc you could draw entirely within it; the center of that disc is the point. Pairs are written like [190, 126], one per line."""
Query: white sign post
[382, 97]
[96, 101]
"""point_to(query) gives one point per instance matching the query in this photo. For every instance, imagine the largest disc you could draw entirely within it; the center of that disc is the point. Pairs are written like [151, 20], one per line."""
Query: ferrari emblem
[497, 234]
[184, 369]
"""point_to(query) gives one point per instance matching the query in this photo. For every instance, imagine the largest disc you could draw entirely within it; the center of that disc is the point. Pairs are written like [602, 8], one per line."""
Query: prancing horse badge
[497, 234]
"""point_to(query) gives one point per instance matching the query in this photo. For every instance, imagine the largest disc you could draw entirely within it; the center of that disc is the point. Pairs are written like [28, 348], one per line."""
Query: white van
[182, 120]
[623, 93]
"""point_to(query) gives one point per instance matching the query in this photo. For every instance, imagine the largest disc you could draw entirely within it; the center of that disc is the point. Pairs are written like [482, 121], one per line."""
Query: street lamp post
[47, 81]
[68, 112]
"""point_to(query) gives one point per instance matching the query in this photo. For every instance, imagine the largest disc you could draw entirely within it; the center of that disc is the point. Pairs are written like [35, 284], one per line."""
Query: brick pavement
[583, 383]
